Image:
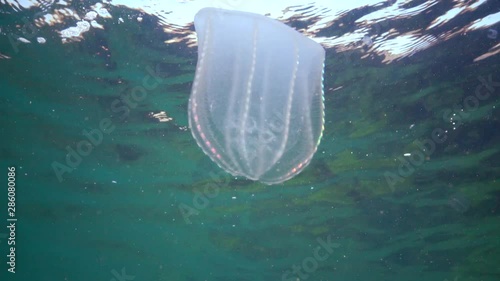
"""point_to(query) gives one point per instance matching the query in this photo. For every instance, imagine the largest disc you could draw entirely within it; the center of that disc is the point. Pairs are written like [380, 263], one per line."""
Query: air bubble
[367, 41]
[492, 33]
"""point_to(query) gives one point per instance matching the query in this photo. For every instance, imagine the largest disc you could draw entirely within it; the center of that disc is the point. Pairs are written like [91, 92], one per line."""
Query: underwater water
[104, 181]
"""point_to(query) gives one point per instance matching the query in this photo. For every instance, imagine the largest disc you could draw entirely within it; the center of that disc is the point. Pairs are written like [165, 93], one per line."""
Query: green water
[147, 204]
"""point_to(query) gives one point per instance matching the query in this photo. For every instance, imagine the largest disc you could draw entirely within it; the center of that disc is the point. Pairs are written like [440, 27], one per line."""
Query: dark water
[144, 202]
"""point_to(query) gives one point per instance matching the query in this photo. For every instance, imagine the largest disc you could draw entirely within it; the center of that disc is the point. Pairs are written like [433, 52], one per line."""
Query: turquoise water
[145, 203]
